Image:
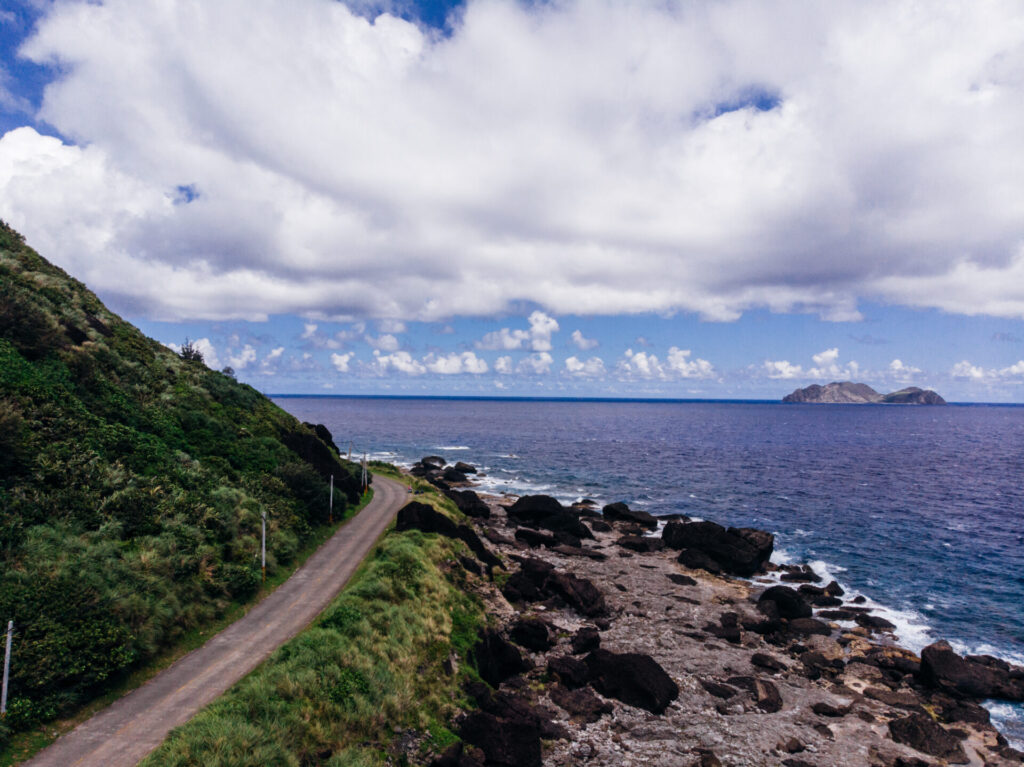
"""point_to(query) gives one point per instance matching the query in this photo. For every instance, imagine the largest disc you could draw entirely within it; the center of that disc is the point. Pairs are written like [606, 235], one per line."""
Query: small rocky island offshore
[849, 393]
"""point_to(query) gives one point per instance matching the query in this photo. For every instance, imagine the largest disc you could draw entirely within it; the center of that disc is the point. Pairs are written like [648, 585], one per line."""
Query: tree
[189, 351]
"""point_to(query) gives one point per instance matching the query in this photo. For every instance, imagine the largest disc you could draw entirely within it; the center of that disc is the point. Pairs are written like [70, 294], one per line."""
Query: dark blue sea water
[921, 509]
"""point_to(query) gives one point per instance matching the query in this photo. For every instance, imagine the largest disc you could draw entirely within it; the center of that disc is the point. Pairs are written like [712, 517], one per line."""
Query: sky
[718, 199]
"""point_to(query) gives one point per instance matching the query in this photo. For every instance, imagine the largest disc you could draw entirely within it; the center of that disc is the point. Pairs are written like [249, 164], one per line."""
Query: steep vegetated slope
[373, 682]
[132, 483]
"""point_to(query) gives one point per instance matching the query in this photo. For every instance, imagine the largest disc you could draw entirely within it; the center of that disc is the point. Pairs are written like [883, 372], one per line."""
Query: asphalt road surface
[125, 732]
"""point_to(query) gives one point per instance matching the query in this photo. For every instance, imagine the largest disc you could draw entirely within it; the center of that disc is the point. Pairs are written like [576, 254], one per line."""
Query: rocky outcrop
[738, 551]
[788, 602]
[531, 633]
[912, 395]
[976, 676]
[633, 678]
[620, 512]
[420, 516]
[536, 581]
[849, 393]
[921, 733]
[547, 513]
[469, 503]
[496, 659]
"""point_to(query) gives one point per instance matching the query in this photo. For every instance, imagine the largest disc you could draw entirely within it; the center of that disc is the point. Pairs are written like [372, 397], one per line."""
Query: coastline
[641, 603]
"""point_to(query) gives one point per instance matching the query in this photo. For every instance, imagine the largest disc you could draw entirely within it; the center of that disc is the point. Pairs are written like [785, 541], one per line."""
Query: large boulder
[419, 516]
[620, 512]
[534, 538]
[451, 474]
[641, 543]
[505, 742]
[530, 509]
[469, 503]
[532, 633]
[508, 728]
[635, 679]
[582, 704]
[571, 672]
[738, 551]
[976, 676]
[496, 659]
[789, 602]
[923, 734]
[547, 513]
[465, 468]
[537, 581]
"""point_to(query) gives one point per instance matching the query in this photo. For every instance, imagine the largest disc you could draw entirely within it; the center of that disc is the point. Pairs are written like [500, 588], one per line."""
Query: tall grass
[131, 488]
[375, 664]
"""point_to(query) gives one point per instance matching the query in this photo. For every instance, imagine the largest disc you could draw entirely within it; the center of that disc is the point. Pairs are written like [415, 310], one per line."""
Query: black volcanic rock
[976, 676]
[620, 512]
[419, 516]
[537, 580]
[547, 513]
[635, 679]
[496, 659]
[531, 633]
[469, 503]
[739, 551]
[641, 543]
[789, 602]
[923, 734]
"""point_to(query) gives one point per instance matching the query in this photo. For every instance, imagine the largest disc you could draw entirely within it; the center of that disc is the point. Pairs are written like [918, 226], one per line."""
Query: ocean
[920, 509]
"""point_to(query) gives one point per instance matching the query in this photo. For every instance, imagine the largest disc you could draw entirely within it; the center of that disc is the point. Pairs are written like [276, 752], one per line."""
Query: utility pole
[263, 515]
[366, 484]
[7, 670]
[330, 508]
[350, 450]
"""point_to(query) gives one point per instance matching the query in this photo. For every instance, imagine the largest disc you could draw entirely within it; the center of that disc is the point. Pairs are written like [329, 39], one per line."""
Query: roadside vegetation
[376, 676]
[132, 484]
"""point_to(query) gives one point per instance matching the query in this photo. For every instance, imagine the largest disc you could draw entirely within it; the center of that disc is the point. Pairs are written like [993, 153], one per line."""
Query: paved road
[124, 733]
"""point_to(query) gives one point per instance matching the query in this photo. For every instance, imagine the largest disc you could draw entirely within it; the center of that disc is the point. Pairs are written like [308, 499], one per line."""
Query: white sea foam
[1009, 719]
[450, 447]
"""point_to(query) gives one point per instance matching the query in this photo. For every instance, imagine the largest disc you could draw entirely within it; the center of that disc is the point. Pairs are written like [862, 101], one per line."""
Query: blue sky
[727, 199]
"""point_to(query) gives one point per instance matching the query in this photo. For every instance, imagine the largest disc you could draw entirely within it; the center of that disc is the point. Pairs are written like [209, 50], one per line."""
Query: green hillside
[131, 487]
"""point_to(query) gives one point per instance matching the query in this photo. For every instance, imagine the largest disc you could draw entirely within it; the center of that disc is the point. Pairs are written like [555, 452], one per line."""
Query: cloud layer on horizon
[252, 157]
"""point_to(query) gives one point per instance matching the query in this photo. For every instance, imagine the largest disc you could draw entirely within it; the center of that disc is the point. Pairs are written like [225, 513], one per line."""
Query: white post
[330, 509]
[263, 552]
[7, 669]
[350, 450]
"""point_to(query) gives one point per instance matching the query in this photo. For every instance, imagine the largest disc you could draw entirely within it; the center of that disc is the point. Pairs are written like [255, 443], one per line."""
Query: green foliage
[131, 486]
[372, 665]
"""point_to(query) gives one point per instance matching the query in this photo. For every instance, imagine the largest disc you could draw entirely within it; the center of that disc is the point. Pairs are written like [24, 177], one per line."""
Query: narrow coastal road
[124, 733]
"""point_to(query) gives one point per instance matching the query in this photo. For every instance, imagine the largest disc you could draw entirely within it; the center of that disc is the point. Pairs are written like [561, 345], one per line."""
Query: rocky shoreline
[614, 644]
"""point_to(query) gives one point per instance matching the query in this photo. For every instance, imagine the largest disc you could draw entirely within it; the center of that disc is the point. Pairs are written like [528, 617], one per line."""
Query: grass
[132, 484]
[372, 671]
[24, 745]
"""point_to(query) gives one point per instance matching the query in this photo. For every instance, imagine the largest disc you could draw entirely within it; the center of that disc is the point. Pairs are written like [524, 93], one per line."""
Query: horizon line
[692, 400]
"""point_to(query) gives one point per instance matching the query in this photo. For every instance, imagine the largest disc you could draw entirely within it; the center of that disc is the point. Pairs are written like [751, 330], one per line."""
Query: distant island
[849, 393]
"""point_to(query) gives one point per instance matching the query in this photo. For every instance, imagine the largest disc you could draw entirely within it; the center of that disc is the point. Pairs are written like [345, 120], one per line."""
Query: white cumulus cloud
[582, 342]
[585, 156]
[341, 361]
[590, 368]
[677, 364]
[456, 364]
